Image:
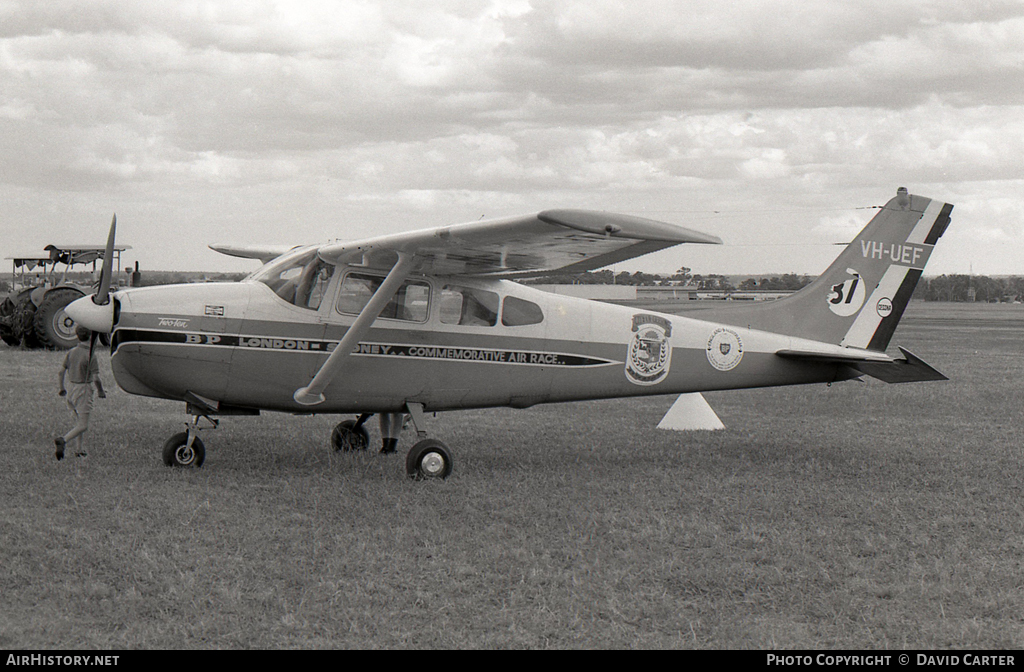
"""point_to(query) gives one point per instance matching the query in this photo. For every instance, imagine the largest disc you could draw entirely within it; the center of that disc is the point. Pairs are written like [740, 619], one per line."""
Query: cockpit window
[468, 306]
[411, 303]
[518, 312]
[301, 280]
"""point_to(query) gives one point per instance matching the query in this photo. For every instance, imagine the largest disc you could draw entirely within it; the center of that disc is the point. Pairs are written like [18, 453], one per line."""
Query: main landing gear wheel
[177, 452]
[427, 460]
[349, 436]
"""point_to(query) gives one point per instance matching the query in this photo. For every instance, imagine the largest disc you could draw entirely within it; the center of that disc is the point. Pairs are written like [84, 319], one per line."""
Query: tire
[346, 437]
[24, 322]
[176, 454]
[53, 328]
[429, 460]
[7, 336]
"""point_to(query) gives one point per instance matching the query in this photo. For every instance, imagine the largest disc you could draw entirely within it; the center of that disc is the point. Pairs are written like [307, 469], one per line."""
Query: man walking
[81, 372]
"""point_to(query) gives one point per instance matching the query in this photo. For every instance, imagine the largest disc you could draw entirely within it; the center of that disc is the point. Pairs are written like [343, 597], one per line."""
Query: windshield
[300, 278]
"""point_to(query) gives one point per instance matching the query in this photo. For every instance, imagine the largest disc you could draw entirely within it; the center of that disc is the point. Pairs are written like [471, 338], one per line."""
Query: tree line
[942, 288]
[682, 278]
[970, 288]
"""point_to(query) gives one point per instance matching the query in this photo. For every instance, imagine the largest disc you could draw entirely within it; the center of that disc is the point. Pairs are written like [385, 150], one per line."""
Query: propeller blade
[103, 293]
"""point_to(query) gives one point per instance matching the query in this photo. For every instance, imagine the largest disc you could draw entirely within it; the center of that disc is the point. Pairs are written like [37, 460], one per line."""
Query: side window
[517, 312]
[411, 302]
[466, 306]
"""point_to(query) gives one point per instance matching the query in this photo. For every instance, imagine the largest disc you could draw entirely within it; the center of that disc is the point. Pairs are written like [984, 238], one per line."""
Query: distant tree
[1015, 288]
[682, 276]
[720, 282]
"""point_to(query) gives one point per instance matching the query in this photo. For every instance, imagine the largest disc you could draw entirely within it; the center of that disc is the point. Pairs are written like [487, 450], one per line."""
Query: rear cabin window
[468, 306]
[518, 312]
[411, 303]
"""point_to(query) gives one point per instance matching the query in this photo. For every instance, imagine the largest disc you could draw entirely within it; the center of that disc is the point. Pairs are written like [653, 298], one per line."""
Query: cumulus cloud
[349, 117]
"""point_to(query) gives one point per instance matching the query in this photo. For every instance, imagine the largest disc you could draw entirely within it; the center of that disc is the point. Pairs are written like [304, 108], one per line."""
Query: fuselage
[444, 343]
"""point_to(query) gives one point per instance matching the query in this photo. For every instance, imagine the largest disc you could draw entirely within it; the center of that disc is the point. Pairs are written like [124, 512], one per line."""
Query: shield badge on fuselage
[650, 351]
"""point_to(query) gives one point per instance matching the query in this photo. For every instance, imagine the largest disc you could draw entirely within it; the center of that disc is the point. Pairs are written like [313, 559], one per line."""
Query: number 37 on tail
[433, 320]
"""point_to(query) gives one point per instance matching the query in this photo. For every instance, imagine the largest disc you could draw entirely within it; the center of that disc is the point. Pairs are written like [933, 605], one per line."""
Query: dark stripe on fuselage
[364, 349]
[123, 336]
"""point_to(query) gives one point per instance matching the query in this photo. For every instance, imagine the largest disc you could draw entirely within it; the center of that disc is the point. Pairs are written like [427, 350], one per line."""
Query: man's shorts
[80, 398]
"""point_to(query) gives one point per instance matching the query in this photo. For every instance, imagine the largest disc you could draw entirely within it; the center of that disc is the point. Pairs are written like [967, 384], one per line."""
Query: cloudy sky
[775, 125]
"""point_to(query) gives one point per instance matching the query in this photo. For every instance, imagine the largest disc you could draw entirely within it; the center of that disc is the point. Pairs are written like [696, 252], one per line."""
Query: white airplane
[432, 320]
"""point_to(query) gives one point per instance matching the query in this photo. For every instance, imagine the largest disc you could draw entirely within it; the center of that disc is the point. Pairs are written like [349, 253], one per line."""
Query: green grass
[861, 515]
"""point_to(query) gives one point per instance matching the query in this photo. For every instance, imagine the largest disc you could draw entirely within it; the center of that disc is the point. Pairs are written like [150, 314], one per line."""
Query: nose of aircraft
[87, 313]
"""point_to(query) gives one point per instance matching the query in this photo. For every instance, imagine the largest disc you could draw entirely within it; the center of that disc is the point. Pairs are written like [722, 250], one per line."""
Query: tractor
[33, 313]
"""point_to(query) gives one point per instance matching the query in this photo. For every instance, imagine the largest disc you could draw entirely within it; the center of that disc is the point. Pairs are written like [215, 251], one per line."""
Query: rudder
[859, 299]
[903, 260]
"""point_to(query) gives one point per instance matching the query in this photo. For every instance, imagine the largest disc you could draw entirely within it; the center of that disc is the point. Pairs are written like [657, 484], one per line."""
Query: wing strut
[312, 394]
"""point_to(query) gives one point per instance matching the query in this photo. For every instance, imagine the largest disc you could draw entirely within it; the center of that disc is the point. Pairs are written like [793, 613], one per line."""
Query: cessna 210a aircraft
[432, 320]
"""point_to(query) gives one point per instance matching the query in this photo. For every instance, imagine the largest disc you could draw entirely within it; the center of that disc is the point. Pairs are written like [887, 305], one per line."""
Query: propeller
[96, 312]
[102, 295]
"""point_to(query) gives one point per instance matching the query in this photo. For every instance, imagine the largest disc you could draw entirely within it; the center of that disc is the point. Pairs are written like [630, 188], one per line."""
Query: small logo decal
[847, 297]
[725, 349]
[884, 307]
[173, 322]
[650, 351]
[215, 311]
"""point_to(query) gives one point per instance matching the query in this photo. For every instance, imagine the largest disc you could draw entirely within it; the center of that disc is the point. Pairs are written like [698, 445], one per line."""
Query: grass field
[861, 515]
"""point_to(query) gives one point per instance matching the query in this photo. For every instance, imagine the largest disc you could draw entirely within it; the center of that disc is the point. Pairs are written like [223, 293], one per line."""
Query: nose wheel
[180, 452]
[186, 449]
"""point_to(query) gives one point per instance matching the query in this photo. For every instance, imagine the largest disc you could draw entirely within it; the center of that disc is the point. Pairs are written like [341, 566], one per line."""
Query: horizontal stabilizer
[909, 370]
[824, 352]
[689, 412]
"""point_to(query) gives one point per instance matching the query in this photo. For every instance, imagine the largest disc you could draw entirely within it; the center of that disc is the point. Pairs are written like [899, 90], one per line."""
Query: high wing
[570, 241]
[262, 252]
[553, 240]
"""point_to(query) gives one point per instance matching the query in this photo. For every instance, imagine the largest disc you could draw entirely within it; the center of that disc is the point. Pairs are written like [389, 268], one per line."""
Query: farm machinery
[33, 313]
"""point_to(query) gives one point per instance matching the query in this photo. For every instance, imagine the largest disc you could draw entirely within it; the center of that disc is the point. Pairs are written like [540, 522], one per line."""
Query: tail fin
[860, 298]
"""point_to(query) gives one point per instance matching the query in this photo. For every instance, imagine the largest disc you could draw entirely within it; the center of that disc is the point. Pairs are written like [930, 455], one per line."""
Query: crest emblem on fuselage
[725, 349]
[650, 351]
